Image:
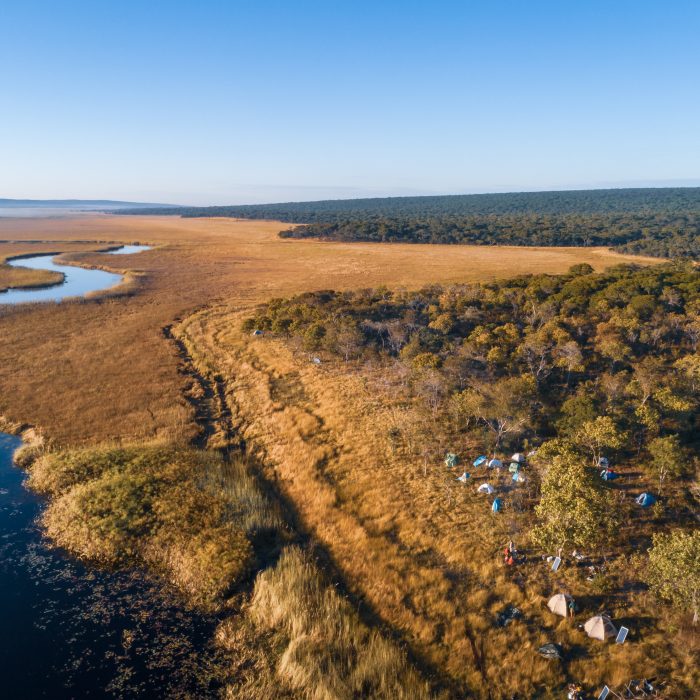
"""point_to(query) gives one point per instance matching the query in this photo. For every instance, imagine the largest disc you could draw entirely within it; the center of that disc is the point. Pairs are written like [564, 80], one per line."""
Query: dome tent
[485, 488]
[451, 460]
[645, 500]
[518, 458]
[559, 604]
[496, 505]
[481, 459]
[495, 463]
[600, 627]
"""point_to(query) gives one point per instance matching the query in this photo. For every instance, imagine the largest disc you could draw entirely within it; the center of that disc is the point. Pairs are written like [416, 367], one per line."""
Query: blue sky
[232, 102]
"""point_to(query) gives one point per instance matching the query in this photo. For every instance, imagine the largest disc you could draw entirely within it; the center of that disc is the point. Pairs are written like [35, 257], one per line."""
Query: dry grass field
[102, 369]
[418, 557]
[422, 551]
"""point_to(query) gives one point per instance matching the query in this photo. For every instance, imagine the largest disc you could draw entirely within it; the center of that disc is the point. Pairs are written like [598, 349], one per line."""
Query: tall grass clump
[328, 652]
[151, 504]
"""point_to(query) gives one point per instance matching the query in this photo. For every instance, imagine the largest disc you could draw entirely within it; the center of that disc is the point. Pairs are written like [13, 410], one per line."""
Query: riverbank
[76, 630]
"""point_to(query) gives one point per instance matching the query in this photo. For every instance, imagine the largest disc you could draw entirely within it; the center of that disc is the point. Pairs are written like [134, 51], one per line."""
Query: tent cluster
[597, 627]
[516, 463]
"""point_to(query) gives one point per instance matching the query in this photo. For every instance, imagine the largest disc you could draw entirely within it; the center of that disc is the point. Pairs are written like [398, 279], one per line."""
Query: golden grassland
[102, 370]
[417, 556]
[422, 550]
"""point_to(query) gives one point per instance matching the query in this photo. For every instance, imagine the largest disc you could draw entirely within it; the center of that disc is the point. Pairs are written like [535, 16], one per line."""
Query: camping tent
[495, 464]
[603, 462]
[645, 500]
[464, 477]
[485, 488]
[608, 475]
[451, 460]
[517, 476]
[600, 627]
[479, 460]
[496, 505]
[559, 604]
[518, 458]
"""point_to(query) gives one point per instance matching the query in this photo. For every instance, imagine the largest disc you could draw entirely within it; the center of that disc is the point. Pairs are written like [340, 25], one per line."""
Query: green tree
[668, 458]
[575, 508]
[673, 571]
[599, 435]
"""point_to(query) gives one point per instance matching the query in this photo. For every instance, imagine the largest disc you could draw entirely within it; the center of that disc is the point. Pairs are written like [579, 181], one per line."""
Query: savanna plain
[293, 482]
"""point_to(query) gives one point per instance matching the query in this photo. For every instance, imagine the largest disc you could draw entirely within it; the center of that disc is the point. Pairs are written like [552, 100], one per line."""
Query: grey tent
[485, 488]
[559, 604]
[451, 460]
[518, 458]
[600, 627]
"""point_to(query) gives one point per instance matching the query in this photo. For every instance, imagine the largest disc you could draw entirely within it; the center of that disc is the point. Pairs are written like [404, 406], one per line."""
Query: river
[69, 631]
[77, 282]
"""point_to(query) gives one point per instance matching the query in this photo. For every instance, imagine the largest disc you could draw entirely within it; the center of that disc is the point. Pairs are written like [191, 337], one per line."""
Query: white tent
[518, 458]
[485, 488]
[495, 463]
[600, 627]
[559, 604]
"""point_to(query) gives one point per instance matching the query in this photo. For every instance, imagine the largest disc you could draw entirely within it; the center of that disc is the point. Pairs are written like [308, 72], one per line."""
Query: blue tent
[496, 505]
[479, 460]
[518, 477]
[607, 475]
[645, 500]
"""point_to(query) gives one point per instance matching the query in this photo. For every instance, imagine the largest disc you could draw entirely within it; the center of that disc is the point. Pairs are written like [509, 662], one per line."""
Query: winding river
[68, 631]
[77, 281]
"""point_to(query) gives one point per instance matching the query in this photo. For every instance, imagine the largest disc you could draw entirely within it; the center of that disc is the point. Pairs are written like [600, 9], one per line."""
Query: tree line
[662, 222]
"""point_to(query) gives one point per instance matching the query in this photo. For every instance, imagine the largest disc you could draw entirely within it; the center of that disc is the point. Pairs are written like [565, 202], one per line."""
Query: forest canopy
[661, 222]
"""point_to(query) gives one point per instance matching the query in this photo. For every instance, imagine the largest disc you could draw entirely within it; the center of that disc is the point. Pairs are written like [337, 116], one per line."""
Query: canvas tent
[451, 460]
[600, 627]
[559, 604]
[485, 488]
[645, 500]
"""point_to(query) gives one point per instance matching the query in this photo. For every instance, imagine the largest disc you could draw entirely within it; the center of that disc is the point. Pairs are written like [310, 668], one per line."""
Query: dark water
[78, 281]
[70, 632]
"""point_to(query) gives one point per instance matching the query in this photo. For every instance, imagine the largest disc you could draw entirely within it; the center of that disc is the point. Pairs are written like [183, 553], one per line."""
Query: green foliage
[575, 509]
[600, 435]
[673, 571]
[668, 457]
[596, 371]
[152, 504]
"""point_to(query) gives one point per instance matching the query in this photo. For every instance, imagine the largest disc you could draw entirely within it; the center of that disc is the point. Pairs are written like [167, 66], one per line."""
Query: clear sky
[231, 102]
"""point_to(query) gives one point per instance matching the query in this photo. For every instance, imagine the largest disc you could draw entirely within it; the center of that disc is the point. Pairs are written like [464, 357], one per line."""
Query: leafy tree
[503, 407]
[668, 458]
[574, 509]
[673, 571]
[600, 434]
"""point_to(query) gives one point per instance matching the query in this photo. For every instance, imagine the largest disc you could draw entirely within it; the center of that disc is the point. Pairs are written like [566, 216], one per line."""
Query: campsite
[350, 351]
